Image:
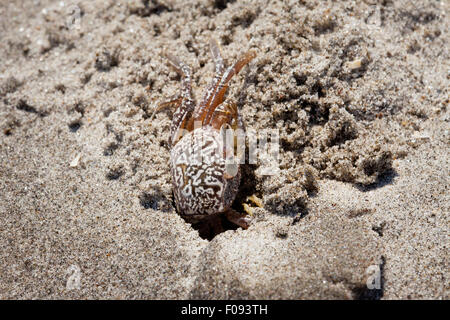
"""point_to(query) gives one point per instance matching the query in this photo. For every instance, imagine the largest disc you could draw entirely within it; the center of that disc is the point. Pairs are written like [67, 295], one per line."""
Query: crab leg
[187, 105]
[171, 103]
[215, 52]
[222, 86]
[212, 88]
[226, 115]
[241, 220]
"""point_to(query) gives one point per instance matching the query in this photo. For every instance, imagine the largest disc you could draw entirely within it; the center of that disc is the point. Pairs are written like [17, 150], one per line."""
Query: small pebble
[75, 161]
[355, 64]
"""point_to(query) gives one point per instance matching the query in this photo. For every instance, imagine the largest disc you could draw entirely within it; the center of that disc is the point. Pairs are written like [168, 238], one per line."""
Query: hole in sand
[148, 202]
[222, 4]
[109, 150]
[74, 126]
[114, 174]
[211, 226]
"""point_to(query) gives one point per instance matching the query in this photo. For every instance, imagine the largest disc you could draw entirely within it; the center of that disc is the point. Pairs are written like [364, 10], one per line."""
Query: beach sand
[358, 92]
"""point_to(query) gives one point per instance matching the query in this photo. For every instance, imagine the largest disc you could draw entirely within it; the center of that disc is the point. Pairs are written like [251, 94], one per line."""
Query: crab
[205, 171]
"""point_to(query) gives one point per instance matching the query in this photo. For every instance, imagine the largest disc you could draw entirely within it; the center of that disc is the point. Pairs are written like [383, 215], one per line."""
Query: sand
[358, 92]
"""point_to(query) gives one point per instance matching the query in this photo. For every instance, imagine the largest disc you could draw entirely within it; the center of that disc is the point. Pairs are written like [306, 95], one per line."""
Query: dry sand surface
[359, 92]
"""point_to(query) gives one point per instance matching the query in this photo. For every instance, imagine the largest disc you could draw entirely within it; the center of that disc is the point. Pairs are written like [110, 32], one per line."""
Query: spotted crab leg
[222, 86]
[212, 87]
[187, 104]
[238, 219]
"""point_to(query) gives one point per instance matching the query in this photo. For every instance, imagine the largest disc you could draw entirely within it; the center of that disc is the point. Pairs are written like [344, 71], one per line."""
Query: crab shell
[204, 183]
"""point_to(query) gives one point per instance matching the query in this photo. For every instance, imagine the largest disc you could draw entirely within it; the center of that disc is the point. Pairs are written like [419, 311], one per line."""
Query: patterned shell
[201, 182]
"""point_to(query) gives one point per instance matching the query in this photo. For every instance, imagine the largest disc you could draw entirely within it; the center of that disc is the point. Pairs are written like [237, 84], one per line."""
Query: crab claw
[238, 219]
